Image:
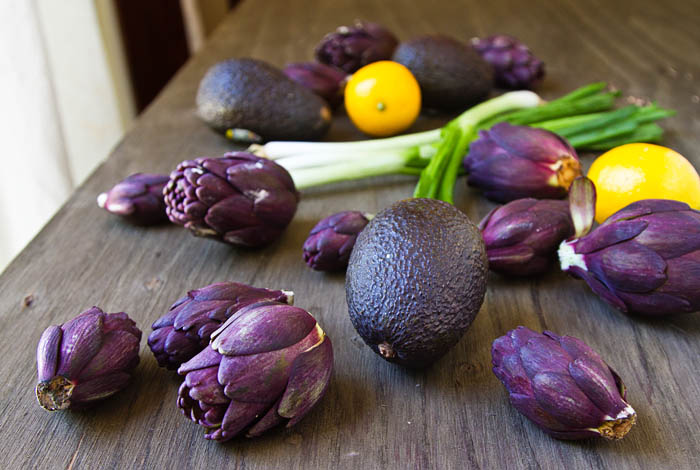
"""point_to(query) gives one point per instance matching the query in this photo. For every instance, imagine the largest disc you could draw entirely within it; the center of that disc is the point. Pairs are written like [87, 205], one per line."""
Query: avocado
[253, 95]
[416, 280]
[451, 74]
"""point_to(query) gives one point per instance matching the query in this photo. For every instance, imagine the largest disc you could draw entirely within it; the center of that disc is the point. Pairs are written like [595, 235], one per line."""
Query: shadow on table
[324, 420]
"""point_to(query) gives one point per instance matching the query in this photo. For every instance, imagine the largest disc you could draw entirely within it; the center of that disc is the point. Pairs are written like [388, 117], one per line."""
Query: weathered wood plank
[375, 415]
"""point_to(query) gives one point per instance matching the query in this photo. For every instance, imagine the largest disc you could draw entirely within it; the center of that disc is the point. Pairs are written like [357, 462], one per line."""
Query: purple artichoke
[522, 236]
[352, 47]
[330, 242]
[514, 66]
[326, 81]
[239, 198]
[643, 259]
[512, 162]
[86, 359]
[269, 364]
[185, 330]
[138, 198]
[562, 385]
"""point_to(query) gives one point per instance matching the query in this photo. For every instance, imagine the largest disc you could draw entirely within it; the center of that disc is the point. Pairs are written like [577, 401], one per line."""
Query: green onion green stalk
[585, 117]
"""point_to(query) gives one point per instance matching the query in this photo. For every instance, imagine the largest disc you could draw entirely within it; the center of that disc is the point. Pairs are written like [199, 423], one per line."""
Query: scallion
[585, 117]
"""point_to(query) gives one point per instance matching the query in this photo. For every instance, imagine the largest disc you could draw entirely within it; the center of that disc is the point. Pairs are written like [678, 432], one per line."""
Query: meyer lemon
[632, 172]
[382, 98]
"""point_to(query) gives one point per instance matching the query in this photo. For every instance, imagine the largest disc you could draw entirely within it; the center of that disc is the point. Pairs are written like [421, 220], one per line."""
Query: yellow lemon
[632, 172]
[382, 98]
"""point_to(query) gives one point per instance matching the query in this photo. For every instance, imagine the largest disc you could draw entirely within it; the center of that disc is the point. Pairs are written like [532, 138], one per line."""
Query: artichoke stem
[569, 169]
[55, 394]
[202, 231]
[568, 256]
[290, 296]
[616, 429]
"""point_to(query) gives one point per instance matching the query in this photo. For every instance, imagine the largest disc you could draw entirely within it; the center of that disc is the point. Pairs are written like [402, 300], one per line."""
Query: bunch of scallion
[585, 117]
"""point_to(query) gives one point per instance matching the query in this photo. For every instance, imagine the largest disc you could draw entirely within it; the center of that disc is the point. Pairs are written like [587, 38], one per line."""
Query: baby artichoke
[269, 364]
[512, 162]
[513, 63]
[522, 236]
[643, 259]
[326, 81]
[184, 331]
[562, 385]
[239, 198]
[352, 47]
[138, 198]
[86, 359]
[330, 242]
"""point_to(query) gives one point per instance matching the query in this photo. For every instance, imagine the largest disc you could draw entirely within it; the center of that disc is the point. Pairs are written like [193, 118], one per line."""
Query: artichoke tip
[617, 428]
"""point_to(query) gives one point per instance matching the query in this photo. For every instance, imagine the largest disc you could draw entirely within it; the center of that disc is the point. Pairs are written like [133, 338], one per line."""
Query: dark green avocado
[451, 74]
[416, 280]
[253, 95]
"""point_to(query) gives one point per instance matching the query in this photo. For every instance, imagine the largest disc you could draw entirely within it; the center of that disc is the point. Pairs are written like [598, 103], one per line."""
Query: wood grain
[375, 415]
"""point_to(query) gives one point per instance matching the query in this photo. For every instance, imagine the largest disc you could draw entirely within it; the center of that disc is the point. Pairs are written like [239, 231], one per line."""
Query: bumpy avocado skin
[451, 75]
[416, 280]
[251, 94]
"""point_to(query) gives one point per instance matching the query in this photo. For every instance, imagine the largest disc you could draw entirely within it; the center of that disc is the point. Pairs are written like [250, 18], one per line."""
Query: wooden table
[376, 415]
